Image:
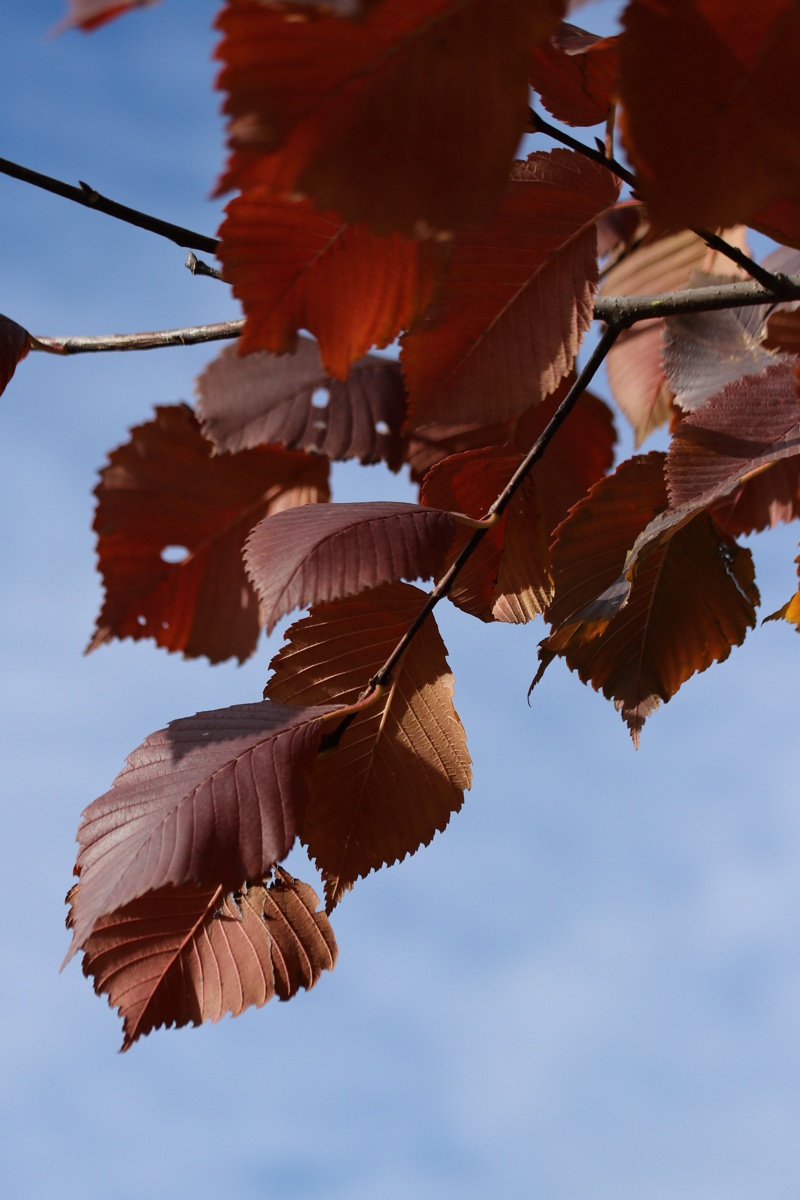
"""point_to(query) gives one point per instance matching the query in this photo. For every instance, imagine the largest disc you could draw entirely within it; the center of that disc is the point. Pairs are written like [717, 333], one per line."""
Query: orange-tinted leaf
[181, 956]
[790, 611]
[517, 301]
[710, 106]
[214, 800]
[407, 120]
[327, 552]
[783, 331]
[690, 602]
[294, 268]
[705, 351]
[15, 342]
[245, 402]
[635, 372]
[400, 769]
[90, 14]
[172, 520]
[575, 73]
[508, 577]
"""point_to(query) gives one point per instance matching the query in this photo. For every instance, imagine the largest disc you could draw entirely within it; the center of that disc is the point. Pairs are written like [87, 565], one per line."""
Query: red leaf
[780, 221]
[15, 342]
[164, 493]
[710, 106]
[575, 73]
[215, 800]
[327, 552]
[90, 14]
[245, 402]
[517, 301]
[689, 603]
[293, 268]
[401, 768]
[408, 120]
[180, 956]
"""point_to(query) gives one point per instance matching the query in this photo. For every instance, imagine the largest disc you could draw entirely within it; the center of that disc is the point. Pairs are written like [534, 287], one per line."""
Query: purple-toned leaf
[215, 800]
[291, 399]
[326, 552]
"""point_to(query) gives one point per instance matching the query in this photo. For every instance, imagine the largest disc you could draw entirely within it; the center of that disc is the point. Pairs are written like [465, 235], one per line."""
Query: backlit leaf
[171, 524]
[575, 73]
[291, 399]
[689, 603]
[517, 301]
[401, 767]
[90, 14]
[214, 800]
[407, 120]
[327, 552]
[294, 268]
[710, 106]
[183, 955]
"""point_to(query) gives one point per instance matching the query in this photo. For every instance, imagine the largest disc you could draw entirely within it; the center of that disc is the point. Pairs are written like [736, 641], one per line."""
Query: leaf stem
[89, 198]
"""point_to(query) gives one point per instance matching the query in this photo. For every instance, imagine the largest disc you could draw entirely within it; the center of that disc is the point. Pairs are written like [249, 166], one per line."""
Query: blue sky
[587, 989]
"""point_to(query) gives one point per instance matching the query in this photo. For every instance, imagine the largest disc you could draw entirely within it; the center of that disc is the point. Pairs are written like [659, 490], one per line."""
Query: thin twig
[766, 278]
[191, 335]
[198, 267]
[89, 198]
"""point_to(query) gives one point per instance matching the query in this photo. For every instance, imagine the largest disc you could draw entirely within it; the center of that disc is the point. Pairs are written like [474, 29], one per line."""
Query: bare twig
[622, 311]
[191, 335]
[198, 267]
[89, 198]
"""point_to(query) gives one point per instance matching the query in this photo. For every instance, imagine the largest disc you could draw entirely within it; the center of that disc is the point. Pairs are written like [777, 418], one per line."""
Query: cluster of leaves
[372, 152]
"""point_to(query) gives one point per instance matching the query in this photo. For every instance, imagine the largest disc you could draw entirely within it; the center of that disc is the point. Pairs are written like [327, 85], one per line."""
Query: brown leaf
[517, 301]
[90, 14]
[294, 268]
[710, 106]
[181, 956]
[575, 73]
[172, 520]
[245, 402]
[400, 769]
[15, 342]
[408, 120]
[214, 800]
[689, 603]
[327, 552]
[635, 371]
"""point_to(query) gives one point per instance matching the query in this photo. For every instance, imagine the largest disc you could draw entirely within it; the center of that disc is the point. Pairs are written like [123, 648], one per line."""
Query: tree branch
[191, 335]
[89, 198]
[623, 311]
[767, 280]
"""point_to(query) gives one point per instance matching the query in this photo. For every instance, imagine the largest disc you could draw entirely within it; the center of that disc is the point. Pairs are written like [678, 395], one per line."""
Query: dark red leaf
[294, 269]
[15, 342]
[90, 14]
[710, 106]
[180, 956]
[214, 800]
[517, 301]
[327, 552]
[575, 73]
[172, 520]
[780, 220]
[407, 120]
[291, 399]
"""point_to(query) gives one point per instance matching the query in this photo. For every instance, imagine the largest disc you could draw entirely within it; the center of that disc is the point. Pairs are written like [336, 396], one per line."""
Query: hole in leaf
[140, 620]
[382, 428]
[174, 554]
[320, 397]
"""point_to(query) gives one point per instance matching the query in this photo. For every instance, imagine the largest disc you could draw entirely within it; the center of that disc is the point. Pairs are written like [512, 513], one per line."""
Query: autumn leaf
[575, 74]
[214, 800]
[400, 770]
[690, 602]
[183, 955]
[328, 552]
[710, 106]
[635, 370]
[291, 399]
[407, 120]
[90, 14]
[780, 220]
[294, 268]
[15, 342]
[171, 523]
[517, 301]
